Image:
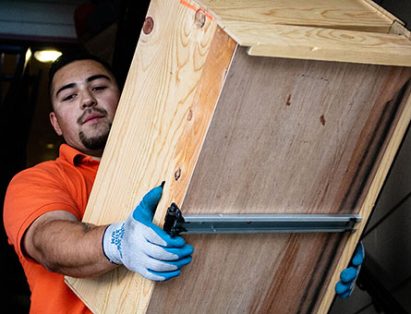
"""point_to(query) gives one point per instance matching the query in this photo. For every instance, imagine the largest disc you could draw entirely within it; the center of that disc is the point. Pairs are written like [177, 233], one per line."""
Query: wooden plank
[287, 136]
[337, 14]
[164, 112]
[323, 44]
[382, 11]
[314, 30]
[399, 29]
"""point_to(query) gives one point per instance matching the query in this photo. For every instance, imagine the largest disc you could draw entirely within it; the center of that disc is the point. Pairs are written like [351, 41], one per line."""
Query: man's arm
[62, 244]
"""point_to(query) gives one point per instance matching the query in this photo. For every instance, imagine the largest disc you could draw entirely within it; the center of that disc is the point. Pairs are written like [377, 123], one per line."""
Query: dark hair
[67, 58]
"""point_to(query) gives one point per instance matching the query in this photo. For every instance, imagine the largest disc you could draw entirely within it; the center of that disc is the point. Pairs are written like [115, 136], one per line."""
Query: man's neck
[94, 154]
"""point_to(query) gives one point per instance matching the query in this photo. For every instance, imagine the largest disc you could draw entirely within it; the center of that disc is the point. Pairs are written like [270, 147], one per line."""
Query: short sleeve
[32, 193]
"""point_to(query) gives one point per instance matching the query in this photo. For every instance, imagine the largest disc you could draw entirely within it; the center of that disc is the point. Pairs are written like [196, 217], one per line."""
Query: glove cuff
[112, 242]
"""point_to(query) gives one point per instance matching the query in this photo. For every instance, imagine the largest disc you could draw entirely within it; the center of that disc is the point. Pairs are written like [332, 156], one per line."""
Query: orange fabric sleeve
[49, 186]
[30, 194]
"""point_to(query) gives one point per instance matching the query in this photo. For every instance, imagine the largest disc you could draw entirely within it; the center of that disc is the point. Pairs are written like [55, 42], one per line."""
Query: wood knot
[148, 25]
[200, 18]
[190, 115]
[177, 174]
[322, 120]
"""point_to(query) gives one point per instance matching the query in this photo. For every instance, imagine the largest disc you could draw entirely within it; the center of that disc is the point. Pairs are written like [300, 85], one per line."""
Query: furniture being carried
[250, 108]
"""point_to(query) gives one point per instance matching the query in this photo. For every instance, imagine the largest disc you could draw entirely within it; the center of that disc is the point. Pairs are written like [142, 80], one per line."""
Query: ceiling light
[47, 55]
[28, 56]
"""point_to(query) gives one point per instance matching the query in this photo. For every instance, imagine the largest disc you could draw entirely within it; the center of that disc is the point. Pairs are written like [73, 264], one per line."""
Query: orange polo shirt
[61, 184]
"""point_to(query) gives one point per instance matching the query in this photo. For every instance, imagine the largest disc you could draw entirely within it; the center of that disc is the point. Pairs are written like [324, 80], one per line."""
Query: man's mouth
[91, 117]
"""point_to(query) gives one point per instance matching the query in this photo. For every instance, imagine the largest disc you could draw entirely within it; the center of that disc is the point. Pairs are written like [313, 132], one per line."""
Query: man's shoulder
[48, 165]
[50, 169]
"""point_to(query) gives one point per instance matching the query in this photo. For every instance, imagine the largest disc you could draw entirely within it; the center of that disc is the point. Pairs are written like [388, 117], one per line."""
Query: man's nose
[88, 99]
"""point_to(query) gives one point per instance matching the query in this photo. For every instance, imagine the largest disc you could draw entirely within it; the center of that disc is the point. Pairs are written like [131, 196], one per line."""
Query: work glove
[143, 247]
[349, 275]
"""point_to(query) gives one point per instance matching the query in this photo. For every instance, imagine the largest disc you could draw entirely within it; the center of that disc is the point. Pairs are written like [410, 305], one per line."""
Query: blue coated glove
[143, 247]
[349, 275]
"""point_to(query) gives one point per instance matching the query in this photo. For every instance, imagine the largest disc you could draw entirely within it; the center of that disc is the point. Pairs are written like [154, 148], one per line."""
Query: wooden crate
[253, 107]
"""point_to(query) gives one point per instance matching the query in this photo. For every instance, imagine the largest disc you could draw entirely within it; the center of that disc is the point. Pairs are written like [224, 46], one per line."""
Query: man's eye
[99, 88]
[69, 97]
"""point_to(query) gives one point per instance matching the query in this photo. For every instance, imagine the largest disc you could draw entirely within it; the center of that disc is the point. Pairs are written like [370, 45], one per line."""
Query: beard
[97, 142]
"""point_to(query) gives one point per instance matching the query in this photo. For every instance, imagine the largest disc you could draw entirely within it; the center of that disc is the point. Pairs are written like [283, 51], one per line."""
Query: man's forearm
[68, 247]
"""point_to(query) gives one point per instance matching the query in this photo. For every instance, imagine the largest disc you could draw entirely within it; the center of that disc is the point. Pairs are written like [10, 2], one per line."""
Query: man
[44, 204]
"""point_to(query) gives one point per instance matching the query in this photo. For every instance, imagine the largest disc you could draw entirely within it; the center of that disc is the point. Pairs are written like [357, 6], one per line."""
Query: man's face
[85, 97]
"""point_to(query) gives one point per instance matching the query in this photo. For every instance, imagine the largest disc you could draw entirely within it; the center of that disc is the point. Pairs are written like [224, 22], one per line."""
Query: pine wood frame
[171, 122]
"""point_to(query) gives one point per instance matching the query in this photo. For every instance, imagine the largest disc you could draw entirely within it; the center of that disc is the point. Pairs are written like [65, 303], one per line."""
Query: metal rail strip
[175, 223]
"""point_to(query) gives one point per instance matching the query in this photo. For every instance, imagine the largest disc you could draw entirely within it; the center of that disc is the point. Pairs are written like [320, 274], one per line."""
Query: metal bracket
[175, 223]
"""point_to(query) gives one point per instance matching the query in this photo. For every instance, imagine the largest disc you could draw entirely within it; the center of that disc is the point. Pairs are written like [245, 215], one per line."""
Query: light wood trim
[388, 155]
[399, 29]
[337, 14]
[323, 44]
[141, 152]
[356, 31]
[382, 11]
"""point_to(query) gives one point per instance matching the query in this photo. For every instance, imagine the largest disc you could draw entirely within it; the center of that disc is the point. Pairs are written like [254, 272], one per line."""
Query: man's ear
[55, 123]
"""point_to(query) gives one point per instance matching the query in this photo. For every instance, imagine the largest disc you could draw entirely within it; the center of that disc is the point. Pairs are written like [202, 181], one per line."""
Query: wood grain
[387, 152]
[356, 31]
[287, 137]
[297, 131]
[158, 108]
[382, 11]
[323, 44]
[335, 14]
[199, 115]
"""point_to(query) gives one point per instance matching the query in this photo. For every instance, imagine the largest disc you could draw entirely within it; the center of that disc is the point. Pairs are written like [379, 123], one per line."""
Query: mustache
[87, 112]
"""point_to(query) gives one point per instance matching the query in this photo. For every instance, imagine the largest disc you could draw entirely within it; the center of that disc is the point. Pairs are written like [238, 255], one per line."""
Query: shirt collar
[74, 156]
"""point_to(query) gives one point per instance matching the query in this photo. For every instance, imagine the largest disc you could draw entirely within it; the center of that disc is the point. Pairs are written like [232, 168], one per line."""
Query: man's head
[84, 95]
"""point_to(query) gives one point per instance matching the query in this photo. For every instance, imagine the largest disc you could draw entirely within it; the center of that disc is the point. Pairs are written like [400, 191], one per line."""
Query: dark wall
[21, 127]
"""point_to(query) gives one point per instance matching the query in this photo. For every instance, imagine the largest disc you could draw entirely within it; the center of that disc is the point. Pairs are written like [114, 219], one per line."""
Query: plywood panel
[247, 274]
[293, 136]
[287, 137]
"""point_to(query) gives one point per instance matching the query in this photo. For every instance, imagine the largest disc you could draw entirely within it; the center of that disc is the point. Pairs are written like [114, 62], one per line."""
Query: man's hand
[143, 247]
[349, 275]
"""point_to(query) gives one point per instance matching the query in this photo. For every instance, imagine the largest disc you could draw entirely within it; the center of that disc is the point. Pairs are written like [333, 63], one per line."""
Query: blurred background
[110, 30]
[106, 28]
